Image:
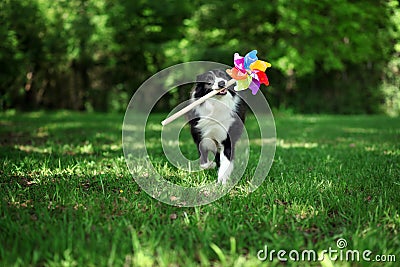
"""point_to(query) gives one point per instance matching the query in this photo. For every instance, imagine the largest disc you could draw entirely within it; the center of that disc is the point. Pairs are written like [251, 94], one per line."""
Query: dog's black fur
[219, 119]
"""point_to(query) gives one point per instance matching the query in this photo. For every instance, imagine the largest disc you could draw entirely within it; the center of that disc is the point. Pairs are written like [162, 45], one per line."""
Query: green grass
[68, 199]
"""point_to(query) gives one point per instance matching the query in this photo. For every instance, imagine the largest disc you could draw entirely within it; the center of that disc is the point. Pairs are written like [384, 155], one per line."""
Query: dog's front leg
[205, 146]
[226, 164]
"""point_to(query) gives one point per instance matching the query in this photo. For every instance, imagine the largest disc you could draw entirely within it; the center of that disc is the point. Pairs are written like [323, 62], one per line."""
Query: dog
[216, 124]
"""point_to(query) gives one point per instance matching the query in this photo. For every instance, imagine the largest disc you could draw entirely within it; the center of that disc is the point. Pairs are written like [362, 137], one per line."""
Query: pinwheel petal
[239, 62]
[261, 76]
[253, 74]
[254, 86]
[260, 65]
[243, 84]
[229, 71]
[236, 74]
[250, 58]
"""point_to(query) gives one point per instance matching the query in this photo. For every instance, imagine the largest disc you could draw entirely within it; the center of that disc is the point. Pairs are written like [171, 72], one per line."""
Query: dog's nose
[221, 84]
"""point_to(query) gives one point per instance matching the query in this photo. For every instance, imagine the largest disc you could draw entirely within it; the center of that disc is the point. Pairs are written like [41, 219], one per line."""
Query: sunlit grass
[67, 197]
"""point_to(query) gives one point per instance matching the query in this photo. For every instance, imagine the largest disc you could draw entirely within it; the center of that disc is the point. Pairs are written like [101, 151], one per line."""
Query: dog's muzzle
[221, 84]
[223, 92]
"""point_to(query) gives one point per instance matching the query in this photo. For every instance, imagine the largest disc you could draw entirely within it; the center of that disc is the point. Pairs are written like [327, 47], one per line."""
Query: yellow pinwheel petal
[260, 65]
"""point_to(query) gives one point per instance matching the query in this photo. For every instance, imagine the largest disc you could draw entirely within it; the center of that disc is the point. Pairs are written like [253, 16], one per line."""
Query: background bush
[327, 56]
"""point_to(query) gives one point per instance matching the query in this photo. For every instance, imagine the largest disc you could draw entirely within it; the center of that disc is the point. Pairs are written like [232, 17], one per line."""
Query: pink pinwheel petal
[254, 86]
[250, 58]
[239, 62]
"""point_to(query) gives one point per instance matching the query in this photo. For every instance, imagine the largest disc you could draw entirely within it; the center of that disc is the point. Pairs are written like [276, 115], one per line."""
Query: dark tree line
[328, 56]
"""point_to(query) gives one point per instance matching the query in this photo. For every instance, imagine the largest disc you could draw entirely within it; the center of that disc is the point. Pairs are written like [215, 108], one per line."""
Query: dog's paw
[223, 179]
[208, 165]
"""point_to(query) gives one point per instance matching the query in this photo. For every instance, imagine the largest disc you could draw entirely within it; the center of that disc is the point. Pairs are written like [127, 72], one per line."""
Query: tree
[327, 56]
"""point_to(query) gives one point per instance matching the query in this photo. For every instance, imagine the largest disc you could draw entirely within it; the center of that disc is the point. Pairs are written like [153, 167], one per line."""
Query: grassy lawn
[68, 199]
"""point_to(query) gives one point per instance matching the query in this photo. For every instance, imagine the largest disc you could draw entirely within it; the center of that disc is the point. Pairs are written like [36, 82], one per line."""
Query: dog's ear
[202, 81]
[198, 89]
[222, 74]
[206, 77]
[201, 77]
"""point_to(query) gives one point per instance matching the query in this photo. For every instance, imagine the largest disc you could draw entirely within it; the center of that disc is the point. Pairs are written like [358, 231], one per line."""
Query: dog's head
[212, 80]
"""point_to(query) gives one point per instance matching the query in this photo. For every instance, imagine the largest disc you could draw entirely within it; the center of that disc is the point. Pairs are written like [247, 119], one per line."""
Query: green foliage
[80, 54]
[391, 83]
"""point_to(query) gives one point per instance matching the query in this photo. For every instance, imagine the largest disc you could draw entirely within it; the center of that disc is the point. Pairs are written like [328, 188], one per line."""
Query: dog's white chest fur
[216, 116]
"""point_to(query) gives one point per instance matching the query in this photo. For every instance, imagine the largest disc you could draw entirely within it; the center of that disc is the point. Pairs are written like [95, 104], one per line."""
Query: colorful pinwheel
[249, 72]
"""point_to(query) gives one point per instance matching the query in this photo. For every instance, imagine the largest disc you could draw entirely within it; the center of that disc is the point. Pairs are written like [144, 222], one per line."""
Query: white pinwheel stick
[196, 103]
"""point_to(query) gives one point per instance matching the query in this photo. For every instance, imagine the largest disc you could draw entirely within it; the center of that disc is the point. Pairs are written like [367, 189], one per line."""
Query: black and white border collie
[217, 123]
